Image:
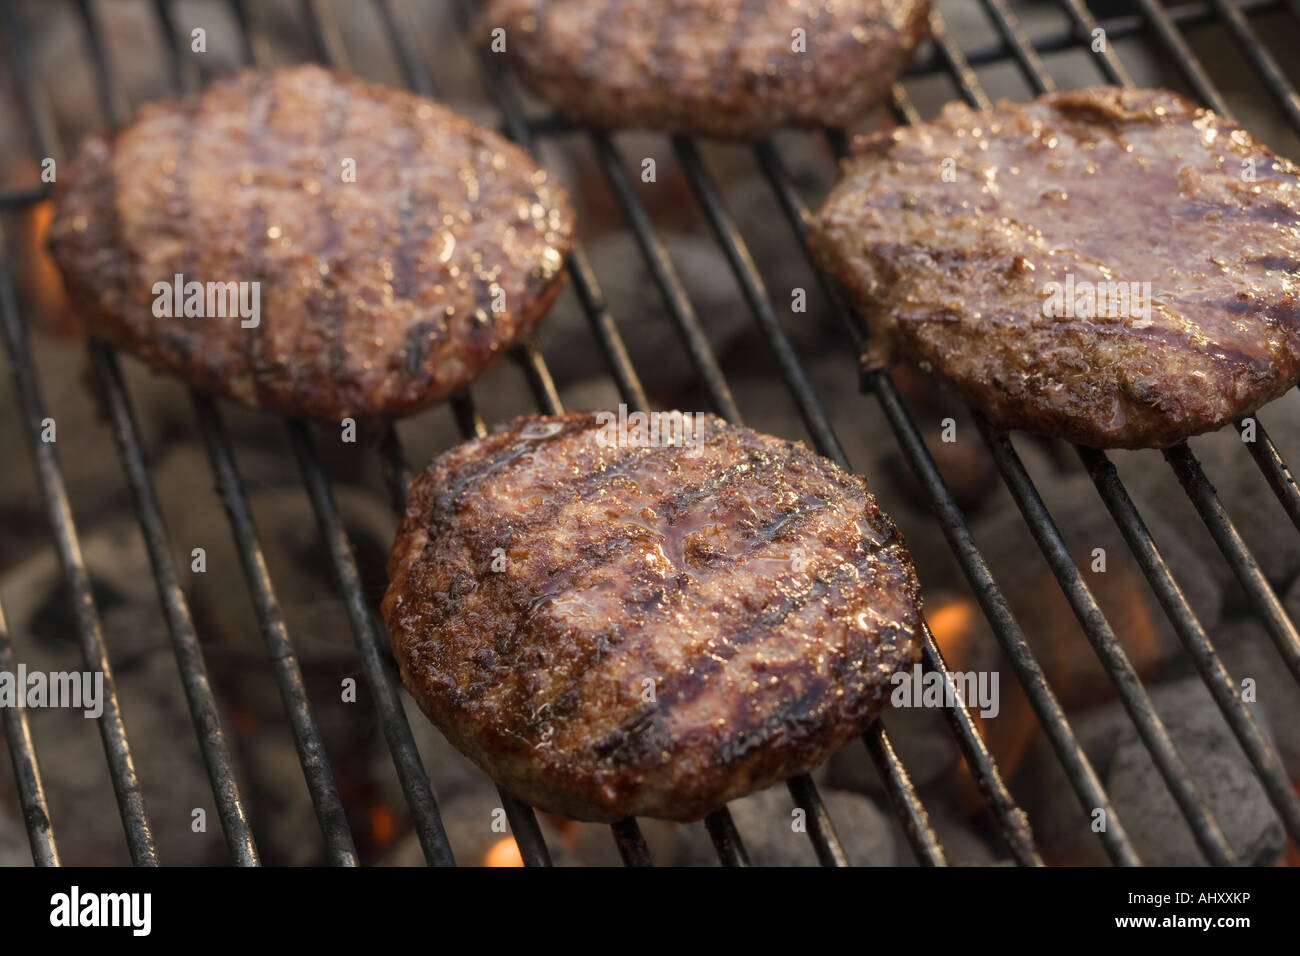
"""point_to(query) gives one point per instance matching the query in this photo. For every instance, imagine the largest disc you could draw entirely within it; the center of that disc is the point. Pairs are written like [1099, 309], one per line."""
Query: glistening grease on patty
[1115, 267]
[392, 248]
[646, 620]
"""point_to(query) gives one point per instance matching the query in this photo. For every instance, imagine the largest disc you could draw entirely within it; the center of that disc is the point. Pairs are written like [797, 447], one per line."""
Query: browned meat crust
[725, 68]
[376, 295]
[755, 588]
[1094, 186]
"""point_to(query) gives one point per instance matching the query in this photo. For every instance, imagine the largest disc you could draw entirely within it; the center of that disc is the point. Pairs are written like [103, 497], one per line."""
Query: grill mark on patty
[329, 302]
[680, 585]
[183, 190]
[421, 338]
[683, 687]
[263, 99]
[595, 482]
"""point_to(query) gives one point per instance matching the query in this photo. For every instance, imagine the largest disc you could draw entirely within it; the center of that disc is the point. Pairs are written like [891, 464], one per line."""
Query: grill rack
[1166, 25]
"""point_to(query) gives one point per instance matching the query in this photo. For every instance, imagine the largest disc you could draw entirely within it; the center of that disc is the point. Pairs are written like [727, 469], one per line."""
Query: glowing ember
[504, 853]
[382, 825]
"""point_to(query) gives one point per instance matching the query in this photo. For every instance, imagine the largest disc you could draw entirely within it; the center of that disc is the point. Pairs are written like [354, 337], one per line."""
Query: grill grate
[1164, 24]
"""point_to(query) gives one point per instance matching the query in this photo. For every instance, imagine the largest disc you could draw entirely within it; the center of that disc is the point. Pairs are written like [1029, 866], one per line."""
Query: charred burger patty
[729, 68]
[1115, 267]
[616, 622]
[390, 247]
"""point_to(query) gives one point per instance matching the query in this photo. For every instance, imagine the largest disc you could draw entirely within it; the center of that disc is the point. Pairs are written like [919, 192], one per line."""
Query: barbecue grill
[1163, 28]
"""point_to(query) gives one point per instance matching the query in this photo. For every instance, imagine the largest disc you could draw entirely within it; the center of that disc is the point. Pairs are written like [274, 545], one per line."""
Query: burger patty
[395, 247]
[616, 626]
[728, 68]
[1114, 267]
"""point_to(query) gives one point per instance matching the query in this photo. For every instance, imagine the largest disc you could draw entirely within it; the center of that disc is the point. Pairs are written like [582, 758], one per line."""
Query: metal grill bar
[22, 752]
[204, 713]
[1278, 85]
[1117, 28]
[126, 784]
[1275, 470]
[330, 816]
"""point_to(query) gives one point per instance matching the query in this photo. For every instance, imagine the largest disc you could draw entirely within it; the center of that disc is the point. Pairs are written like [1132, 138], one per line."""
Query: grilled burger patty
[1009, 275]
[729, 68]
[616, 628]
[397, 247]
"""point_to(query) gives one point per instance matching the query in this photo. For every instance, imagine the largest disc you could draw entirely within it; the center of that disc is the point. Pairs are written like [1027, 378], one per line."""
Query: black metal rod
[27, 772]
[1274, 469]
[631, 843]
[333, 821]
[1133, 696]
[525, 828]
[1221, 686]
[1086, 26]
[751, 284]
[1265, 65]
[204, 713]
[1092, 796]
[726, 838]
[661, 270]
[911, 813]
[1167, 33]
[54, 495]
[825, 841]
[1118, 27]
[1013, 36]
[1242, 562]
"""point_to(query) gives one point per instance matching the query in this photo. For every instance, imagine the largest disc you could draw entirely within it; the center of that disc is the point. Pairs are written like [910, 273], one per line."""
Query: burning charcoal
[1152, 820]
[1249, 654]
[765, 822]
[1225, 776]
